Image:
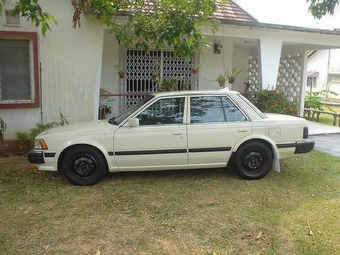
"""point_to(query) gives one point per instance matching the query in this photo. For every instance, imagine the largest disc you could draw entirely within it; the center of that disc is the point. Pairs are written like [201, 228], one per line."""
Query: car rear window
[251, 105]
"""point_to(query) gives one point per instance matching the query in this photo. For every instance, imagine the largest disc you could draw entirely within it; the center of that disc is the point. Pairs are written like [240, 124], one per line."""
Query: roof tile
[233, 12]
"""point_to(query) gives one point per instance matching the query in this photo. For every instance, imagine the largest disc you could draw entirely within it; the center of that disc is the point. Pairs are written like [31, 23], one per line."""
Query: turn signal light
[40, 144]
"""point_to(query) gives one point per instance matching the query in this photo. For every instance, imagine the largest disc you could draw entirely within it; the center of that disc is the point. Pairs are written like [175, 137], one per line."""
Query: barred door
[145, 72]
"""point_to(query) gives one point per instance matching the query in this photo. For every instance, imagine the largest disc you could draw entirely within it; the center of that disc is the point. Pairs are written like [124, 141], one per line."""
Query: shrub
[23, 136]
[273, 101]
[40, 128]
[313, 100]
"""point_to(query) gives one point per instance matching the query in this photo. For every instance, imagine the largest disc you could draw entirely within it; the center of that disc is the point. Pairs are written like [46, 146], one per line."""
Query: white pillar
[303, 85]
[270, 53]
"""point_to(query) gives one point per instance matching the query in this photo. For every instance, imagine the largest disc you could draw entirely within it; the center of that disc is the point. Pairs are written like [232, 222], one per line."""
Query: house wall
[70, 62]
[241, 60]
[319, 62]
[325, 62]
[212, 65]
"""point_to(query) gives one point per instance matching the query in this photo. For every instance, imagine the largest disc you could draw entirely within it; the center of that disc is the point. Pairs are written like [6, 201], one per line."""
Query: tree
[140, 23]
[32, 10]
[319, 8]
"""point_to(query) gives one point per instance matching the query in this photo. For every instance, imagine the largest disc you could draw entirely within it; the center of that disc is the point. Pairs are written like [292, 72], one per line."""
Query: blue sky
[288, 12]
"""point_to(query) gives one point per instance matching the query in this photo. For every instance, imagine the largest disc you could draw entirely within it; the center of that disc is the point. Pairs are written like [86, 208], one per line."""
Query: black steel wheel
[84, 165]
[253, 160]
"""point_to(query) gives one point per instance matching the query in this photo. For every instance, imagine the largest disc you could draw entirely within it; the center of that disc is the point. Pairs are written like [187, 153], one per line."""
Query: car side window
[204, 109]
[232, 113]
[164, 111]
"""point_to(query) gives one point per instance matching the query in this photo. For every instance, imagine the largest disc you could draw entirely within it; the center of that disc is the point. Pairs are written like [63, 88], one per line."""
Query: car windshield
[117, 120]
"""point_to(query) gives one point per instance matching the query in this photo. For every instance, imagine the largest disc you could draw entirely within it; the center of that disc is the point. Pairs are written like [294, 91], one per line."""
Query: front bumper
[36, 157]
[304, 147]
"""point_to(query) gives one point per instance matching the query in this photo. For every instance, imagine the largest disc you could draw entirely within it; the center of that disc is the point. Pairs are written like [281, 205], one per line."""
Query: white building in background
[323, 71]
[66, 70]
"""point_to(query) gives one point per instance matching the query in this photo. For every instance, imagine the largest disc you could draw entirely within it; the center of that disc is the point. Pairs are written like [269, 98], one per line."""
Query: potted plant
[221, 79]
[121, 71]
[155, 75]
[23, 141]
[195, 69]
[232, 74]
[105, 104]
[169, 84]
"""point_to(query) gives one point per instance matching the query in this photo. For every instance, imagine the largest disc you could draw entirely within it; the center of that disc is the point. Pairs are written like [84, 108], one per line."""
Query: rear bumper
[36, 157]
[304, 146]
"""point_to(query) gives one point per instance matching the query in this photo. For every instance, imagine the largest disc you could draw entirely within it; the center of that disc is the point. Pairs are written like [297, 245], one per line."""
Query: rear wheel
[84, 165]
[253, 161]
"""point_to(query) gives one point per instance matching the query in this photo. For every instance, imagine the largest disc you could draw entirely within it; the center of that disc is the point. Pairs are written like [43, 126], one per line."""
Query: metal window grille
[15, 75]
[145, 72]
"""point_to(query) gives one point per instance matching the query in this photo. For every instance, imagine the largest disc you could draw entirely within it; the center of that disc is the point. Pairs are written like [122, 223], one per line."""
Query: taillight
[305, 132]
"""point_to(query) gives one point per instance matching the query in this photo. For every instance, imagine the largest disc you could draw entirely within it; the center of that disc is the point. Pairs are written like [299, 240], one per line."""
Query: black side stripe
[172, 151]
[149, 152]
[210, 149]
[286, 145]
[49, 154]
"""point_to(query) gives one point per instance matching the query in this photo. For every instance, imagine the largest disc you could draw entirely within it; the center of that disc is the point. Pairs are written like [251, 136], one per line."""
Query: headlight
[40, 144]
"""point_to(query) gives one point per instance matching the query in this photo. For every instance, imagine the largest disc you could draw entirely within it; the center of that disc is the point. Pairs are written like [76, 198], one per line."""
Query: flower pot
[222, 84]
[122, 75]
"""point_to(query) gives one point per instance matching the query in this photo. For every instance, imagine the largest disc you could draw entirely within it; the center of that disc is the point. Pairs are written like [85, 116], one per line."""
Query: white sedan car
[174, 130]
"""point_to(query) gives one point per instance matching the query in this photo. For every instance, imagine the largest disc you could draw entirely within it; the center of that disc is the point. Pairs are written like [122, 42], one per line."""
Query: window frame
[157, 101]
[336, 76]
[223, 108]
[34, 60]
[311, 81]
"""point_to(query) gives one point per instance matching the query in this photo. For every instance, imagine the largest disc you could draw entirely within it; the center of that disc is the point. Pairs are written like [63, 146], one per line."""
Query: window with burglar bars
[147, 71]
[19, 70]
[15, 77]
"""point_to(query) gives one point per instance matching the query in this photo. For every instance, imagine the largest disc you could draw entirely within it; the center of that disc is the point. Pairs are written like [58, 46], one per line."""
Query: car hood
[80, 129]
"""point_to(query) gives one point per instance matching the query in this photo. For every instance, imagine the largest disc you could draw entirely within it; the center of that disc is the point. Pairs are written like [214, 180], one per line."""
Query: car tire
[84, 165]
[253, 160]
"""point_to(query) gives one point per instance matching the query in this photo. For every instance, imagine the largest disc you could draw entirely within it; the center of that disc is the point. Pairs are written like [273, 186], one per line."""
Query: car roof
[195, 92]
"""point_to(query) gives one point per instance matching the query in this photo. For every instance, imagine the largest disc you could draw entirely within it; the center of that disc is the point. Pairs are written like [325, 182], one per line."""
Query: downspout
[328, 64]
[41, 97]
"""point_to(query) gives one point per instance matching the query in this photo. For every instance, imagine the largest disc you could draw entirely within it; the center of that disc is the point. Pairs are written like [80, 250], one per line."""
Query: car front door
[216, 124]
[158, 142]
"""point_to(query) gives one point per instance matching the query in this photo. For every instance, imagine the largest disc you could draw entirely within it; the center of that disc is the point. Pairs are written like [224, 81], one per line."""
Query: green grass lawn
[176, 212]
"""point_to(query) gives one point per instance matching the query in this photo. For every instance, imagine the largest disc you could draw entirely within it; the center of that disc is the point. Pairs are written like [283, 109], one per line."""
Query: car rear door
[216, 124]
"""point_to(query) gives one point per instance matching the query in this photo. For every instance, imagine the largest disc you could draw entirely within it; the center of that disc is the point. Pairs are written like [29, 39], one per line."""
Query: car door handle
[176, 133]
[242, 130]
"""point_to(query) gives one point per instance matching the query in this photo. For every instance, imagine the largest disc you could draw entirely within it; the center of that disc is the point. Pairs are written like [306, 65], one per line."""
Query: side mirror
[133, 122]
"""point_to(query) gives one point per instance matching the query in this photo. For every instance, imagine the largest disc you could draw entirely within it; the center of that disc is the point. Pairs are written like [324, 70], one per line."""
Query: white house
[64, 71]
[323, 71]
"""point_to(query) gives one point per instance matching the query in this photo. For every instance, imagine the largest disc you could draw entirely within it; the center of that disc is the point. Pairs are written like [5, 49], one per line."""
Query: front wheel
[253, 161]
[84, 165]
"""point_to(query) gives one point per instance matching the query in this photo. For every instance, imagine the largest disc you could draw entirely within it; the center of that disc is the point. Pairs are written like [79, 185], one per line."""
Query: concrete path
[327, 138]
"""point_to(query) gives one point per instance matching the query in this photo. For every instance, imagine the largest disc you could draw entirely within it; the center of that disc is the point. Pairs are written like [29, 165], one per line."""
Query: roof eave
[278, 27]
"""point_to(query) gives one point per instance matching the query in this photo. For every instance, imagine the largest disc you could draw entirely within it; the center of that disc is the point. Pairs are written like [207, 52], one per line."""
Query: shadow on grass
[171, 175]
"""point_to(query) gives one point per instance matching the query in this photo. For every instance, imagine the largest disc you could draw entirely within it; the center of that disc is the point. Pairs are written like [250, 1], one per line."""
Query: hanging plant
[232, 74]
